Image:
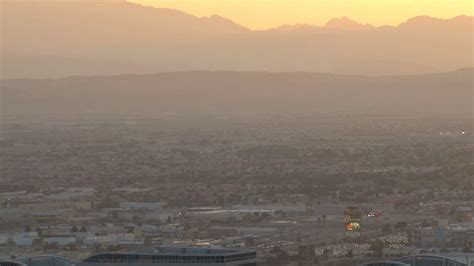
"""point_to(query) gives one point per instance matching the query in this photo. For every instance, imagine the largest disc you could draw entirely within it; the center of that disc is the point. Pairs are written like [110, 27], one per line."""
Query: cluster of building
[341, 199]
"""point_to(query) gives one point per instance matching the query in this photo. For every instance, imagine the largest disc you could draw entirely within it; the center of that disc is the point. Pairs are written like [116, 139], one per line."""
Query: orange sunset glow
[264, 14]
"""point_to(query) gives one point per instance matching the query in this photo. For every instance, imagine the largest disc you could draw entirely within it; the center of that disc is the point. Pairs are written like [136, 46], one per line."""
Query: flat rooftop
[192, 251]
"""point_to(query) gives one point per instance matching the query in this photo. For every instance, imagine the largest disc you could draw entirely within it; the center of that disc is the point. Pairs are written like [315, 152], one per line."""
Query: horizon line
[466, 68]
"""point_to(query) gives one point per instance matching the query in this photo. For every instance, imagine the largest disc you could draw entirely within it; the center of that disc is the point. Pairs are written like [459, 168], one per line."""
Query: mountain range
[44, 39]
[238, 93]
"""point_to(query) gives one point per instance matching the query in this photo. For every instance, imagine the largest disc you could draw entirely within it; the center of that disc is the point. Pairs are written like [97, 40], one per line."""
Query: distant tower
[352, 220]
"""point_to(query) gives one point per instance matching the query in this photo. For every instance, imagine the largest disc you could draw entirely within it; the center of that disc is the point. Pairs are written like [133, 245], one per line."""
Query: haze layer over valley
[239, 93]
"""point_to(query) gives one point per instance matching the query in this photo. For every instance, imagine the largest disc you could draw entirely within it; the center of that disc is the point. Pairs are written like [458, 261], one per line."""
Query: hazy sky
[263, 14]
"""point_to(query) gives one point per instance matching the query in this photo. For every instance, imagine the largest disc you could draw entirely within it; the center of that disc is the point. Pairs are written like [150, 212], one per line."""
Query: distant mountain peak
[432, 21]
[345, 23]
[225, 21]
[421, 19]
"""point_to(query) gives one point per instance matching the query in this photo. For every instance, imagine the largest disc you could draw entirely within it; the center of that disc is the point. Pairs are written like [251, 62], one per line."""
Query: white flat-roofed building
[110, 238]
[19, 239]
[60, 240]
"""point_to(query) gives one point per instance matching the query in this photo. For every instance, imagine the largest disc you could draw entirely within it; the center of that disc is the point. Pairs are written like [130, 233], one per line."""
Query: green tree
[350, 254]
[387, 228]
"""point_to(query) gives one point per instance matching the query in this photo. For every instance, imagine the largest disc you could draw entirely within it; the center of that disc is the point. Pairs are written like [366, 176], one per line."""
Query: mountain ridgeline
[47, 39]
[239, 93]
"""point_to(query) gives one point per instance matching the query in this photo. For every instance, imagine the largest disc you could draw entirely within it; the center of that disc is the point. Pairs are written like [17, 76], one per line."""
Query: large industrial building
[449, 259]
[40, 261]
[385, 263]
[11, 263]
[163, 256]
[176, 256]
